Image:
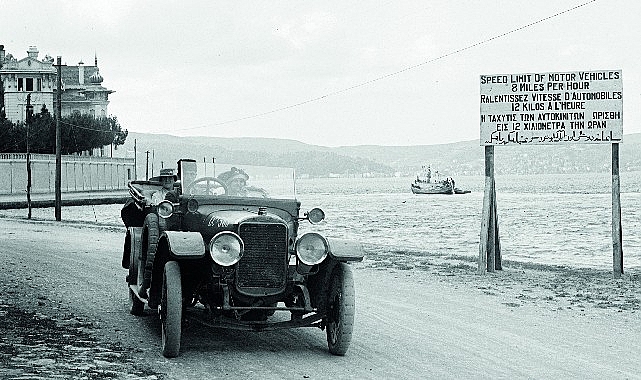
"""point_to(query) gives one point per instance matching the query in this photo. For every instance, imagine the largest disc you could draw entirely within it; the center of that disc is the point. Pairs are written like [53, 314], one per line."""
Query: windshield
[198, 178]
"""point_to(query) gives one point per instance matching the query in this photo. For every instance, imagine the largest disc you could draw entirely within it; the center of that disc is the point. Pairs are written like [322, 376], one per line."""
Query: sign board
[552, 108]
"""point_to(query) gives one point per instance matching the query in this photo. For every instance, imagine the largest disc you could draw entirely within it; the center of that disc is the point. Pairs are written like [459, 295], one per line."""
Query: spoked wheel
[341, 308]
[170, 310]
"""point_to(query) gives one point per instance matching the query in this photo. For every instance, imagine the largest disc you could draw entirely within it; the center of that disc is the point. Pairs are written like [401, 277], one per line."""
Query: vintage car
[232, 254]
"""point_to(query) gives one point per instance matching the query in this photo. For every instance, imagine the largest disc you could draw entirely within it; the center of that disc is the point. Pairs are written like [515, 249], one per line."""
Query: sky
[331, 73]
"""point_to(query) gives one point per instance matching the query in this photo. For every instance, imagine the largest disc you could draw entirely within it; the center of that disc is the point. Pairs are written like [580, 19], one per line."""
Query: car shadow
[200, 337]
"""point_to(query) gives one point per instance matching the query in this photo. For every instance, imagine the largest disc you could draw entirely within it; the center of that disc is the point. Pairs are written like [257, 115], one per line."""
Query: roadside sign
[552, 108]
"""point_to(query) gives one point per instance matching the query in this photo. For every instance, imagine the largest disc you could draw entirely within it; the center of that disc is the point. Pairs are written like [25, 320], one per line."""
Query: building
[82, 89]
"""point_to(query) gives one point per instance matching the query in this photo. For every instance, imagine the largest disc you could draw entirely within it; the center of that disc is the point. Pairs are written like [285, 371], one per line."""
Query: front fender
[132, 246]
[184, 245]
[345, 250]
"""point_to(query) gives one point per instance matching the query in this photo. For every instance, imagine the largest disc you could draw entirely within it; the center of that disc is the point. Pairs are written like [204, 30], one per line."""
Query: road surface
[441, 323]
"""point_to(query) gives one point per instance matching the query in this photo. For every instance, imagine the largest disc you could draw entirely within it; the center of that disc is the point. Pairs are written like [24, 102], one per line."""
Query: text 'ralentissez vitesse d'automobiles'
[222, 243]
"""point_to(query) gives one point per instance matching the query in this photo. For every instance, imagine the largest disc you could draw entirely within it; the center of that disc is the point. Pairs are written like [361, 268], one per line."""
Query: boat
[426, 183]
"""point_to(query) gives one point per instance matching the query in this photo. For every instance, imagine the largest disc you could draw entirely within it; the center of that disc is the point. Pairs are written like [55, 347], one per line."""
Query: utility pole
[2, 112]
[58, 202]
[135, 161]
[147, 167]
[29, 119]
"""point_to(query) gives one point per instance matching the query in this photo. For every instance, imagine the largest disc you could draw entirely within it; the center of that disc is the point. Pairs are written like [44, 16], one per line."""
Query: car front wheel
[170, 310]
[341, 308]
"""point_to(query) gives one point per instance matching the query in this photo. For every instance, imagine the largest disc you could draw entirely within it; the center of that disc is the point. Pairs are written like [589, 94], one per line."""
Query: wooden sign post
[617, 234]
[490, 246]
[548, 108]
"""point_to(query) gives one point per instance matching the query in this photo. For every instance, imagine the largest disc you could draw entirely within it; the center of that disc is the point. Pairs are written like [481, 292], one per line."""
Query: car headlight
[311, 248]
[165, 209]
[315, 215]
[226, 248]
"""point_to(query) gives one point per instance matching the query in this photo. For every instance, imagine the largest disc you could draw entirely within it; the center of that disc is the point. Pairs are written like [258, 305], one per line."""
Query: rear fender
[345, 250]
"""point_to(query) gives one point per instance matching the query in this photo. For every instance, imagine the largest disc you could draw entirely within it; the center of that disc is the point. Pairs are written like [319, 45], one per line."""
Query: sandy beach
[519, 283]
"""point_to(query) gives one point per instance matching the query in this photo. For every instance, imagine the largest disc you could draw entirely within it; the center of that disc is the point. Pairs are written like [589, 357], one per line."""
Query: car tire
[340, 309]
[135, 278]
[151, 233]
[170, 310]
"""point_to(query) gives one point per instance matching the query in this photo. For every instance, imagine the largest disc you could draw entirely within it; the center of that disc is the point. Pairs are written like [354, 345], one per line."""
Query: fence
[78, 173]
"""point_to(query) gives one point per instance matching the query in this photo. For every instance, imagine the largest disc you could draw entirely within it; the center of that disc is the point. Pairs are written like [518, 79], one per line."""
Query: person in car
[168, 179]
[235, 180]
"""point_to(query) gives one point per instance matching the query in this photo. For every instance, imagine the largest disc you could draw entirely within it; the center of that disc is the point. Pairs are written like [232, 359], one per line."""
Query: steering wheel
[206, 186]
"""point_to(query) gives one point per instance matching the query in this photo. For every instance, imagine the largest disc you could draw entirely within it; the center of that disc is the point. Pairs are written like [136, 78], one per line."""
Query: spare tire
[150, 234]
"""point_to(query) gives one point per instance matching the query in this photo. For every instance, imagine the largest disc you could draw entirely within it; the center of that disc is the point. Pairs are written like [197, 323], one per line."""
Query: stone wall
[78, 173]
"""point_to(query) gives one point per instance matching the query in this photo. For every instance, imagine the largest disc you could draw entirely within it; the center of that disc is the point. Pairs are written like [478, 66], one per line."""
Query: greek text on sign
[552, 108]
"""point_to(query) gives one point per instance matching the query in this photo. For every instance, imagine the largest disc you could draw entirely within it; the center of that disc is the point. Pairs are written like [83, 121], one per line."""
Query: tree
[42, 132]
[120, 136]
[12, 137]
[79, 133]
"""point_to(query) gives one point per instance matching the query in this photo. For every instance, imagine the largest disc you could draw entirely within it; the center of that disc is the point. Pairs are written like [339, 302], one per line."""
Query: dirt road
[434, 320]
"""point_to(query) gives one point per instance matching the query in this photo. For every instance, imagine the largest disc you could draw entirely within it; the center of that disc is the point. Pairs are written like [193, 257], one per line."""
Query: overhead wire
[8, 149]
[398, 72]
[368, 82]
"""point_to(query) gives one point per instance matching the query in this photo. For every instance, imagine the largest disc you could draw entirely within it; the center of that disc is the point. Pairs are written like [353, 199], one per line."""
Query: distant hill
[312, 160]
[461, 158]
[468, 157]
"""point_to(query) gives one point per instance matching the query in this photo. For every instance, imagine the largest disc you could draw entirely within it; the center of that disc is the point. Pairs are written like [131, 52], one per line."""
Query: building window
[39, 84]
[26, 84]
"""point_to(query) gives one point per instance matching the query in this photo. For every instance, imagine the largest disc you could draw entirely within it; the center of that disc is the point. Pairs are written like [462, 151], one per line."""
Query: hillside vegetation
[461, 158]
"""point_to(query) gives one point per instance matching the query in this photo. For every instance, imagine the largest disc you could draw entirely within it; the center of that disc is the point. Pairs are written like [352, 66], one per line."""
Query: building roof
[70, 75]
[92, 79]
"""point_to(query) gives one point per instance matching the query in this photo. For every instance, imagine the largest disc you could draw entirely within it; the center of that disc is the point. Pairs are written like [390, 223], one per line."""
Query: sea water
[545, 219]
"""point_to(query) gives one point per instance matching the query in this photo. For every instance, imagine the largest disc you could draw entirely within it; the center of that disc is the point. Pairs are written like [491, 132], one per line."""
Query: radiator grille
[264, 261]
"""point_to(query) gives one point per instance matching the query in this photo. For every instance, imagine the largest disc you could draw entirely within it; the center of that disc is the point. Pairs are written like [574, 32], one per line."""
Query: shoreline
[443, 265]
[567, 230]
[383, 253]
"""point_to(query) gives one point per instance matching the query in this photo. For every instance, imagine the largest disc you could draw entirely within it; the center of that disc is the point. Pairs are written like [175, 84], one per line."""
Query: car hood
[230, 219]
